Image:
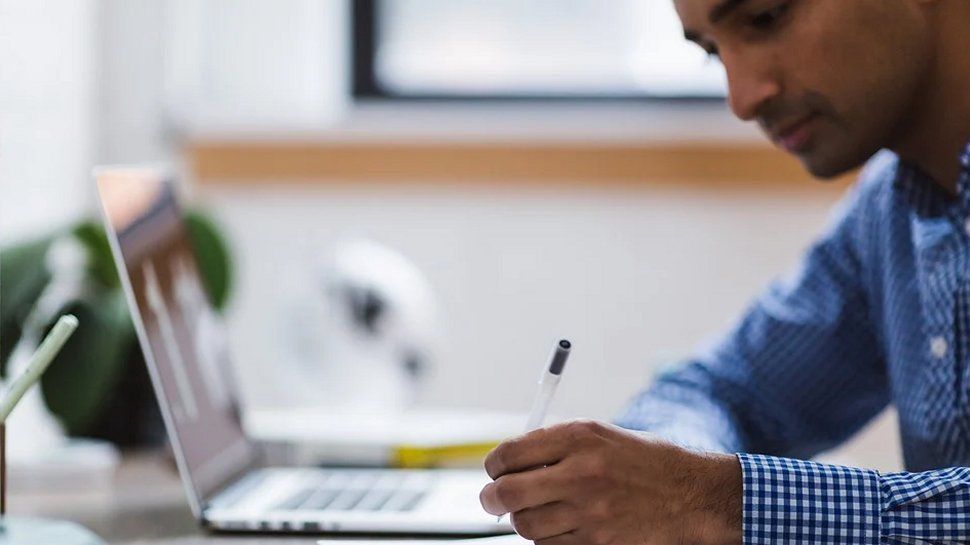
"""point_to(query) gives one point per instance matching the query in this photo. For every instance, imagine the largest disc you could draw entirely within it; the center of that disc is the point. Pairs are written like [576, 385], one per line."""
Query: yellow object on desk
[416, 457]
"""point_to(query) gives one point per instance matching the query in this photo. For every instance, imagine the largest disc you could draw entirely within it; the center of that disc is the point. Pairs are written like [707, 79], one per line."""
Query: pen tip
[70, 320]
[565, 345]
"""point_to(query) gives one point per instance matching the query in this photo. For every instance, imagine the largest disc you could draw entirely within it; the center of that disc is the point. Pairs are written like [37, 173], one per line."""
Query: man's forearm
[585, 482]
[718, 501]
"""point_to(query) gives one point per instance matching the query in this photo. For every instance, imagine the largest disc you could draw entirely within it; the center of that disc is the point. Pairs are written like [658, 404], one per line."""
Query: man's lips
[794, 136]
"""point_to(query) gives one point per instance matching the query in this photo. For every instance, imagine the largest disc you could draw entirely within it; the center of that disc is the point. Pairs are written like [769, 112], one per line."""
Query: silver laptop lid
[180, 334]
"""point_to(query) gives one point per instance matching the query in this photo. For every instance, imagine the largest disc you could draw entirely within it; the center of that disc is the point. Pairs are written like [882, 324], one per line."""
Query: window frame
[365, 32]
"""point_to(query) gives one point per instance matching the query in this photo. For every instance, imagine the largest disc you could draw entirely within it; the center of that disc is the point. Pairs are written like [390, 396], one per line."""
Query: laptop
[229, 487]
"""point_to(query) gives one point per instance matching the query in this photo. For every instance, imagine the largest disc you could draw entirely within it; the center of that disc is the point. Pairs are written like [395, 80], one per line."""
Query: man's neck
[940, 124]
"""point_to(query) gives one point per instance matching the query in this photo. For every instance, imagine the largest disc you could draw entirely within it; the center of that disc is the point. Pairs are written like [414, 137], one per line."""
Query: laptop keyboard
[358, 491]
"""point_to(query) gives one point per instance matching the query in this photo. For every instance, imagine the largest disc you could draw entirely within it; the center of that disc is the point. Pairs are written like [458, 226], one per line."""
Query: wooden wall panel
[629, 164]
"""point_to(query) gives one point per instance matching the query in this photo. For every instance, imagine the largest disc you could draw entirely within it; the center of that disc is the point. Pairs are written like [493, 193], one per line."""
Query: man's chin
[826, 168]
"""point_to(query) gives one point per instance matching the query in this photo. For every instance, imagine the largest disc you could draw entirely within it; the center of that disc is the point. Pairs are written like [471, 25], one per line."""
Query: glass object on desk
[33, 531]
[22, 530]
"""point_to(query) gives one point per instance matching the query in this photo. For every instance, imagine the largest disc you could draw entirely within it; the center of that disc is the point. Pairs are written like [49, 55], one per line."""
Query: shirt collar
[924, 195]
[963, 183]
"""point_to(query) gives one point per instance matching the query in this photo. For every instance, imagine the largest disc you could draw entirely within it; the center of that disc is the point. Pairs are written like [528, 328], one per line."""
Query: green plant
[80, 381]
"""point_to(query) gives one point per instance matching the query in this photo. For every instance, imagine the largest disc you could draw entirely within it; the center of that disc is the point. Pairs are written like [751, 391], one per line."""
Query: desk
[145, 505]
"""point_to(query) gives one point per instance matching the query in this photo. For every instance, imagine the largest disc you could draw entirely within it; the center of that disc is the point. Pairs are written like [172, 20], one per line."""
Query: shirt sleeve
[795, 501]
[800, 372]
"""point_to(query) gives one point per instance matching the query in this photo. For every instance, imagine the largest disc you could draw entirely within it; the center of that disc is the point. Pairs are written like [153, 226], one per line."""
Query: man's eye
[709, 49]
[767, 19]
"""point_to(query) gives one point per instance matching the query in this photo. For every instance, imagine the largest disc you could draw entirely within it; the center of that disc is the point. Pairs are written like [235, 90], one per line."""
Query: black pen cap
[559, 357]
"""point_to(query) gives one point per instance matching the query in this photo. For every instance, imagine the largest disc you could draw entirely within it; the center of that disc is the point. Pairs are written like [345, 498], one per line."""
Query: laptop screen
[181, 336]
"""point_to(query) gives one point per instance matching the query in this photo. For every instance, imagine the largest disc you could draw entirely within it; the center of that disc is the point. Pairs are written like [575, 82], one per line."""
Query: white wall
[635, 278]
[255, 64]
[48, 127]
[131, 99]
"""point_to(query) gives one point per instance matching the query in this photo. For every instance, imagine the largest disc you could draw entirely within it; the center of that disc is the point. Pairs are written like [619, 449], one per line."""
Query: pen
[551, 375]
[548, 381]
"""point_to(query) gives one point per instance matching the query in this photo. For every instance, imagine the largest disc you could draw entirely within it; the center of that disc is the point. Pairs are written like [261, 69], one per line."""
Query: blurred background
[553, 168]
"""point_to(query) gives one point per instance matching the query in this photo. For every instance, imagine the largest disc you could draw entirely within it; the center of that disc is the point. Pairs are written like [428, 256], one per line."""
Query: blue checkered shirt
[878, 312]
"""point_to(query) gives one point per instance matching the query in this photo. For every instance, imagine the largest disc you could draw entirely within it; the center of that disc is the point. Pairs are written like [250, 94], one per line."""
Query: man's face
[831, 81]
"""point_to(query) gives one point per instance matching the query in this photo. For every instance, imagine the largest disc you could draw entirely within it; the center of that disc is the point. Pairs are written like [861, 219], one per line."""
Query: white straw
[45, 354]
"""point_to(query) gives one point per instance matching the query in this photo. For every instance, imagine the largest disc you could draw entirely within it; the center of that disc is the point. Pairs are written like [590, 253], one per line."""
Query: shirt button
[938, 347]
[966, 226]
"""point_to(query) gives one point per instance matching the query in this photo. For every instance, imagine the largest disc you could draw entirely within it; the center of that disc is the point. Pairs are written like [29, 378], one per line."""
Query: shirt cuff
[794, 501]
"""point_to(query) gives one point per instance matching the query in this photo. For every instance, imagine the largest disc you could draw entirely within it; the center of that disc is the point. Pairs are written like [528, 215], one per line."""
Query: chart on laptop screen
[180, 333]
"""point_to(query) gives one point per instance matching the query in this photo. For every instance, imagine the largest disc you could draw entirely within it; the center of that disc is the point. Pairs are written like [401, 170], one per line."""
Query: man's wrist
[717, 498]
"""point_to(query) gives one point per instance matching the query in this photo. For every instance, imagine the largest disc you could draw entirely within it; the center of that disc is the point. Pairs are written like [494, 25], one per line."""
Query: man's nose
[750, 87]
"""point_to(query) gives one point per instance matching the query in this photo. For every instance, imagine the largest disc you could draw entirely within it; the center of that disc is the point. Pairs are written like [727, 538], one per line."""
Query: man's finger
[541, 447]
[545, 521]
[517, 491]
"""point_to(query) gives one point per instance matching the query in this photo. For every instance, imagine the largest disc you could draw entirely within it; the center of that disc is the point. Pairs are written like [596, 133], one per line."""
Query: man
[878, 312]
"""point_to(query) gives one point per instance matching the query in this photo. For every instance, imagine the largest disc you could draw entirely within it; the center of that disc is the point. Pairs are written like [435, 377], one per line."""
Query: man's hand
[589, 483]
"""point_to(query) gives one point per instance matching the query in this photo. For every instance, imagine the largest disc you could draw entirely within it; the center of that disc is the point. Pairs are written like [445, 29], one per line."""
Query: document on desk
[510, 539]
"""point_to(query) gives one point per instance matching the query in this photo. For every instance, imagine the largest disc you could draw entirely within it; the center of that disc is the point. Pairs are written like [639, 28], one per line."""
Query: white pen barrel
[547, 387]
[548, 381]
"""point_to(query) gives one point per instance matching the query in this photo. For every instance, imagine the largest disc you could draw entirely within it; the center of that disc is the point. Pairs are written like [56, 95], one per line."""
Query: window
[527, 48]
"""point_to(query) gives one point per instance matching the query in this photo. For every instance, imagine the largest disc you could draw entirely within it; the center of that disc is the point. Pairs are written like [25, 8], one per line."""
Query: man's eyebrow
[718, 12]
[723, 9]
